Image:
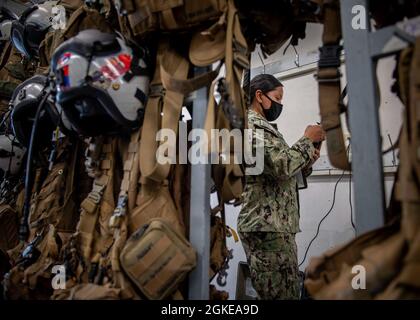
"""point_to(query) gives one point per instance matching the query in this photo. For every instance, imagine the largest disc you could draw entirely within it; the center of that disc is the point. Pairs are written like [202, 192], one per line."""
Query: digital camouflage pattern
[269, 218]
[272, 260]
[270, 200]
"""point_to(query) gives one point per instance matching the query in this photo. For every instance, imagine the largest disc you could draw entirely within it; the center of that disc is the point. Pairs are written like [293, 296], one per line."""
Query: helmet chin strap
[92, 52]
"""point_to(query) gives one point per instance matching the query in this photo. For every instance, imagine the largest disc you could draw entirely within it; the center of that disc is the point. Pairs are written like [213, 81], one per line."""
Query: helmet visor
[17, 36]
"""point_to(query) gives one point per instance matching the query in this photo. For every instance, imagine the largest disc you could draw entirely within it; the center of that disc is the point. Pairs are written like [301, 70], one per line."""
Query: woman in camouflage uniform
[269, 218]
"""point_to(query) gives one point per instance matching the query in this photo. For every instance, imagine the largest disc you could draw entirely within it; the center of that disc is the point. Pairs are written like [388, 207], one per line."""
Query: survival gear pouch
[53, 217]
[143, 18]
[157, 259]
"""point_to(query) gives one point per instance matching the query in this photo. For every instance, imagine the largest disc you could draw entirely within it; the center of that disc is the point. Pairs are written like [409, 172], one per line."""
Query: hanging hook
[297, 58]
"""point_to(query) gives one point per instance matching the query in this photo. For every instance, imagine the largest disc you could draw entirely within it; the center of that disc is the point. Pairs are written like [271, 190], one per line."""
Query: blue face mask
[274, 111]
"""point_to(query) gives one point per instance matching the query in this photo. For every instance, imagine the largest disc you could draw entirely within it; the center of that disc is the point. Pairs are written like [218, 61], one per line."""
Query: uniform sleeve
[282, 161]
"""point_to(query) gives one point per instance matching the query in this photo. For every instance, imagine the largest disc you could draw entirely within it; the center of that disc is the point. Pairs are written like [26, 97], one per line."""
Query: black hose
[24, 226]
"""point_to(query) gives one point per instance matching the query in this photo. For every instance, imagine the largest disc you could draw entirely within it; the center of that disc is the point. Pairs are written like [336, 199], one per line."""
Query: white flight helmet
[102, 83]
[30, 29]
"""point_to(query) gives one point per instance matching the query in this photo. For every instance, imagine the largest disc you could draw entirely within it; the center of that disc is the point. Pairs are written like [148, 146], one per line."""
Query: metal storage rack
[200, 208]
[363, 48]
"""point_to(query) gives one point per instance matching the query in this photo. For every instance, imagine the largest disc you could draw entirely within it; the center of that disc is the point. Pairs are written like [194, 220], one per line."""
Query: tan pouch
[324, 270]
[380, 262]
[87, 291]
[157, 259]
[155, 201]
[406, 285]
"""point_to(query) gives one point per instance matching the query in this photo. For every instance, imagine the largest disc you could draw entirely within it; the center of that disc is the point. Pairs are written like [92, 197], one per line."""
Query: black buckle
[330, 56]
[156, 90]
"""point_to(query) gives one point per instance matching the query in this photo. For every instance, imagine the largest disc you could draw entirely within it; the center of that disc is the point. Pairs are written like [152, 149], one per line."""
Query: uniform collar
[258, 120]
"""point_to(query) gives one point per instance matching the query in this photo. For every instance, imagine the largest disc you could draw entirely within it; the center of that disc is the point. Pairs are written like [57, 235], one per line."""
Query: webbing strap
[236, 60]
[329, 86]
[74, 18]
[126, 201]
[91, 205]
[128, 189]
[162, 112]
[210, 122]
[71, 174]
[185, 86]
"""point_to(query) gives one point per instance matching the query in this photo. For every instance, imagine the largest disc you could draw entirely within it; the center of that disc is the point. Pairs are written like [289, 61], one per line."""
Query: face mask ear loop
[272, 101]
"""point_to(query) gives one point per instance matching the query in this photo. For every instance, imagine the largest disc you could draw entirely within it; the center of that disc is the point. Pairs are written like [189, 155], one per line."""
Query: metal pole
[364, 121]
[200, 209]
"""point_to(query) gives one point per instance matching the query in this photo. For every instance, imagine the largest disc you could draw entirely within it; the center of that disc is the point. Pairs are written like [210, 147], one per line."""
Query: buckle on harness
[119, 211]
[157, 90]
[330, 56]
[96, 194]
[121, 205]
[327, 80]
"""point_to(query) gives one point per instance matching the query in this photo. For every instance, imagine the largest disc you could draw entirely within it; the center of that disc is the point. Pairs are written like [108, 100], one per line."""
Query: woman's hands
[315, 133]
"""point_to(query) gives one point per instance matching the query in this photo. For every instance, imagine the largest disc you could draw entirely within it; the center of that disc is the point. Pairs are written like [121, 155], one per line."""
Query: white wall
[301, 109]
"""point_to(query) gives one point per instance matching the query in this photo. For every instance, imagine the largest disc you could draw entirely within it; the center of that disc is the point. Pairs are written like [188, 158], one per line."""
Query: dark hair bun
[263, 82]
